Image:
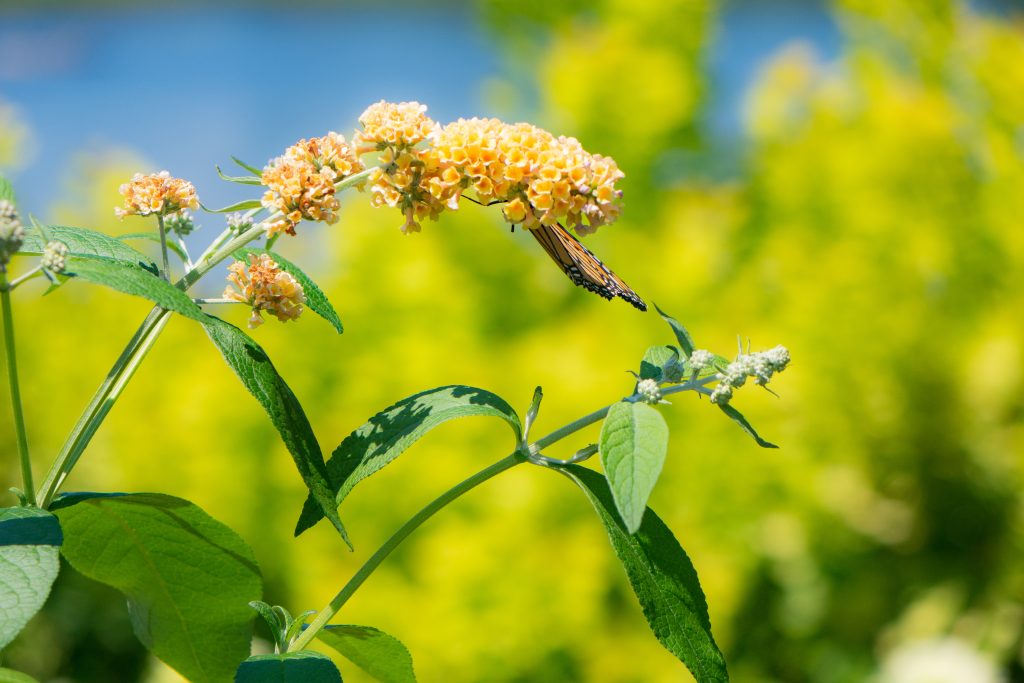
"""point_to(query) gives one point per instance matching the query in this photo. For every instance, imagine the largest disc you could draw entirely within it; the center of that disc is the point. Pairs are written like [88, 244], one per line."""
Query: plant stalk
[163, 246]
[396, 539]
[12, 376]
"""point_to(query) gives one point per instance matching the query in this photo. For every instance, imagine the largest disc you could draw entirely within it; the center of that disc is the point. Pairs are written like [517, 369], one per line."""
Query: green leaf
[375, 652]
[241, 180]
[259, 376]
[656, 359]
[663, 579]
[154, 237]
[634, 440]
[684, 338]
[251, 169]
[388, 433]
[86, 244]
[7, 190]
[738, 418]
[136, 280]
[12, 676]
[29, 546]
[291, 667]
[315, 298]
[272, 620]
[188, 578]
[244, 205]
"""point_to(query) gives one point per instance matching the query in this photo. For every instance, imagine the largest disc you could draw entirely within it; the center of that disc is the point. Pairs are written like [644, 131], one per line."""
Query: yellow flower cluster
[541, 179]
[156, 193]
[300, 183]
[386, 124]
[265, 287]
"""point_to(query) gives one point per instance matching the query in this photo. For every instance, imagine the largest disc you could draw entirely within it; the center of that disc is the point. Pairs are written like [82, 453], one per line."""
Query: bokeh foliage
[873, 226]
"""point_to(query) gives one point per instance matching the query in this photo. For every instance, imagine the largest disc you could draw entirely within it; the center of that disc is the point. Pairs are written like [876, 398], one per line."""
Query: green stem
[163, 246]
[35, 272]
[12, 375]
[396, 539]
[447, 497]
[102, 401]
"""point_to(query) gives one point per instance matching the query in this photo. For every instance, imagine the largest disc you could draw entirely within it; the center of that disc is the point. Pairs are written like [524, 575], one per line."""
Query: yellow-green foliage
[875, 228]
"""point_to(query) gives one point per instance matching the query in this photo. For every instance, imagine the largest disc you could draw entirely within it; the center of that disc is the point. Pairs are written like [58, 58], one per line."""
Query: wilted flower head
[156, 193]
[54, 256]
[300, 183]
[264, 286]
[386, 124]
[12, 232]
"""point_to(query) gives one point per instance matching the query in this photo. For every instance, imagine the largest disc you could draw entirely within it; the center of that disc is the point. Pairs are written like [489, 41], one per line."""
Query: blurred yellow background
[868, 215]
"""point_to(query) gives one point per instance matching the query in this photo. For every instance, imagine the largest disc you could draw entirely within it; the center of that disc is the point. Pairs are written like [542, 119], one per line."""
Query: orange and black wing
[582, 267]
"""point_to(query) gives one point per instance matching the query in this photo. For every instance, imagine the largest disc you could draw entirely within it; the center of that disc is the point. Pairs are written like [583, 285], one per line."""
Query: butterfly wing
[582, 267]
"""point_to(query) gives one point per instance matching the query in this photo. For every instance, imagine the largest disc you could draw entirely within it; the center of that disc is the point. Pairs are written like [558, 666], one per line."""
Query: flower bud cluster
[238, 222]
[156, 193]
[54, 256]
[12, 232]
[300, 183]
[649, 391]
[760, 366]
[541, 179]
[264, 286]
[180, 223]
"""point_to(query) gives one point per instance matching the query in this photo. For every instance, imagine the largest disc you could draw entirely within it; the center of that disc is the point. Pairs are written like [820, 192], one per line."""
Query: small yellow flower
[300, 183]
[156, 193]
[265, 287]
[386, 124]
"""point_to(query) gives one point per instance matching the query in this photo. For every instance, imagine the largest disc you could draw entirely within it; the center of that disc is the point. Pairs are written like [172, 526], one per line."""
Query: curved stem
[396, 539]
[12, 375]
[163, 246]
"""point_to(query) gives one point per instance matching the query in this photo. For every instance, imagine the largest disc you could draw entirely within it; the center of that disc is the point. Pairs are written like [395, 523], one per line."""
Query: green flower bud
[12, 232]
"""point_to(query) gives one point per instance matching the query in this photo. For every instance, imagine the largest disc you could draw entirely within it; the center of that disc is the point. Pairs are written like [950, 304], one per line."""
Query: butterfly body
[582, 267]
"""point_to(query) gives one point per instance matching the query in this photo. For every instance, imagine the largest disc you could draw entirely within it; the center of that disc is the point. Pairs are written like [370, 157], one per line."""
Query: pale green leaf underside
[188, 578]
[389, 433]
[634, 441]
[132, 279]
[293, 667]
[381, 655]
[315, 298]
[29, 549]
[86, 244]
[663, 579]
[257, 373]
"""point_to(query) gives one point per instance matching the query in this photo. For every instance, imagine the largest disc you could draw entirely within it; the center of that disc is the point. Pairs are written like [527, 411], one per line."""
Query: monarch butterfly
[582, 267]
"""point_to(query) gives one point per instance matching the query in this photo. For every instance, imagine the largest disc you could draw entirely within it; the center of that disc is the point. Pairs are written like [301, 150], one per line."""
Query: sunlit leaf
[656, 359]
[136, 280]
[154, 237]
[315, 298]
[259, 376]
[29, 546]
[375, 652]
[387, 435]
[11, 676]
[634, 441]
[663, 579]
[682, 335]
[187, 577]
[86, 244]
